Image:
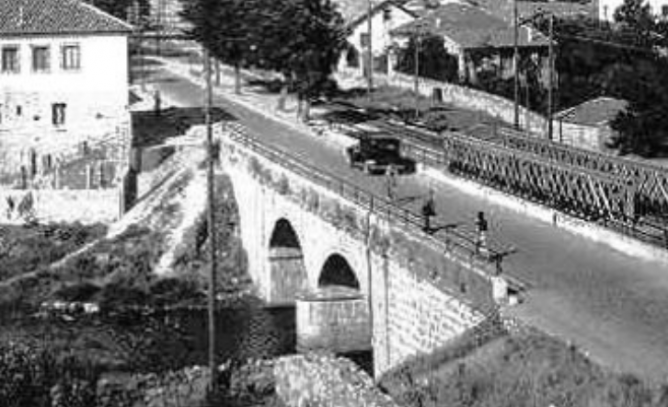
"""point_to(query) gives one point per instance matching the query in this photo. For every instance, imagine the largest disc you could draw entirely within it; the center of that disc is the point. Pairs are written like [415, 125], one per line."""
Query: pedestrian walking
[391, 181]
[158, 102]
[429, 210]
[481, 242]
[11, 204]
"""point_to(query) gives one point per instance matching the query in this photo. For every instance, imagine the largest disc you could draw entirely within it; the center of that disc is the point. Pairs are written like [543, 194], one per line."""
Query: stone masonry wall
[339, 325]
[85, 206]
[323, 380]
[422, 293]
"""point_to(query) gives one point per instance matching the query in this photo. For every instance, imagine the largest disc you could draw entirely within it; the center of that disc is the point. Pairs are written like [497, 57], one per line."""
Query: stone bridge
[391, 287]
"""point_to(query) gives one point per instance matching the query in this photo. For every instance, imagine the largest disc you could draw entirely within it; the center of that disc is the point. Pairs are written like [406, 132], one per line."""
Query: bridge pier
[287, 275]
[333, 318]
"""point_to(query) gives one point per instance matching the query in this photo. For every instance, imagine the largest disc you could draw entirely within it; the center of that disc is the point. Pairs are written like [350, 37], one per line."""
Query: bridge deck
[610, 303]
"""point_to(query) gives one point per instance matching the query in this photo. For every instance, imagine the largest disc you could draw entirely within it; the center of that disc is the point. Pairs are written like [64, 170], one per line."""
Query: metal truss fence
[646, 182]
[605, 197]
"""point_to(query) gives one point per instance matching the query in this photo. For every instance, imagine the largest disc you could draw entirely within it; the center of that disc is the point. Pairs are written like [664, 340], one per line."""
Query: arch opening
[284, 235]
[286, 261]
[337, 272]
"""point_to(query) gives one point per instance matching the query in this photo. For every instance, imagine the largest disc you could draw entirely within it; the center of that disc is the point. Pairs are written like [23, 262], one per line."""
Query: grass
[26, 249]
[525, 369]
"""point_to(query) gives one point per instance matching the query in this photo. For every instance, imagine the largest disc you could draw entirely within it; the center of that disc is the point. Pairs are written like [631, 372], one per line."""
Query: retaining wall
[324, 380]
[85, 206]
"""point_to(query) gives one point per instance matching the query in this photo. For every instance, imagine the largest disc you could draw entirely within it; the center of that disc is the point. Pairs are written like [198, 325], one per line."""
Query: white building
[606, 8]
[63, 80]
[385, 16]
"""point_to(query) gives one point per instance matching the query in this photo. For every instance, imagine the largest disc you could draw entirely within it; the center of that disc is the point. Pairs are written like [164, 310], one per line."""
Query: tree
[123, 9]
[433, 60]
[620, 61]
[222, 26]
[302, 39]
[636, 15]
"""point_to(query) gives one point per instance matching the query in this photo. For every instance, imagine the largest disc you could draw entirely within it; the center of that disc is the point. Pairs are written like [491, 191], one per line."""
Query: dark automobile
[374, 154]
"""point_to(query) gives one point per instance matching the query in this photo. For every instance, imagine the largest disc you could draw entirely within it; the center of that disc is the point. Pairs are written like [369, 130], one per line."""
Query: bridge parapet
[388, 229]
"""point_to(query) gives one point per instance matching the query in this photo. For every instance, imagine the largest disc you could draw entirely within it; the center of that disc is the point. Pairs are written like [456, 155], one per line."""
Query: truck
[374, 154]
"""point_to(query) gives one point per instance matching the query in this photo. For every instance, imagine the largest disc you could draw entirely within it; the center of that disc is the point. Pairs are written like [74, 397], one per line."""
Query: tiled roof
[354, 10]
[525, 9]
[593, 112]
[30, 17]
[470, 27]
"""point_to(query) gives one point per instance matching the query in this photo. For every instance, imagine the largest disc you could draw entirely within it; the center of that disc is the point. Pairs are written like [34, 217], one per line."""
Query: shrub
[35, 377]
[78, 292]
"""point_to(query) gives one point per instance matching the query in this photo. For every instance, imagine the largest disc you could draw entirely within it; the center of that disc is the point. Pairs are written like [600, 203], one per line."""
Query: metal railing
[360, 197]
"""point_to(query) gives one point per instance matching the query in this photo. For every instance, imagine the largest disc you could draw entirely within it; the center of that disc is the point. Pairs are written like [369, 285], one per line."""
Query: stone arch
[286, 261]
[284, 235]
[336, 271]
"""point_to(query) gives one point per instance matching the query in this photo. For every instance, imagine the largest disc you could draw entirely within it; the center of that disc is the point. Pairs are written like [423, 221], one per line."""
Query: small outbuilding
[587, 125]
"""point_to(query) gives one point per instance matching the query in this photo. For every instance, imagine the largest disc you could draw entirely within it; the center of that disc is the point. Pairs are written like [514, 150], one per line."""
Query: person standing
[391, 181]
[482, 226]
[429, 210]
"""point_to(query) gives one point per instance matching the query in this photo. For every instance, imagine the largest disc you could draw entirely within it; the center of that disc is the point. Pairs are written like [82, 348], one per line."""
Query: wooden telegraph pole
[516, 66]
[550, 77]
[212, 218]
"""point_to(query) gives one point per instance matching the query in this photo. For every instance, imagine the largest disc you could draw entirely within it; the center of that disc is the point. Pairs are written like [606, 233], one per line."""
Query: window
[364, 39]
[387, 14]
[10, 59]
[70, 57]
[58, 114]
[40, 59]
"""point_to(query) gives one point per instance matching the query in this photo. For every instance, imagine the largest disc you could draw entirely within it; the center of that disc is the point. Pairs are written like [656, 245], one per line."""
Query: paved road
[612, 305]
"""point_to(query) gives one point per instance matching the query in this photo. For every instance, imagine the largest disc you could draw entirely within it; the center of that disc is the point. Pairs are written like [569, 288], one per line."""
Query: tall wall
[323, 380]
[84, 206]
[421, 293]
[95, 95]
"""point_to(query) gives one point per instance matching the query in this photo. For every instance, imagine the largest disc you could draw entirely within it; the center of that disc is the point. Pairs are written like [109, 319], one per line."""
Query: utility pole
[516, 66]
[550, 77]
[369, 51]
[212, 218]
[416, 83]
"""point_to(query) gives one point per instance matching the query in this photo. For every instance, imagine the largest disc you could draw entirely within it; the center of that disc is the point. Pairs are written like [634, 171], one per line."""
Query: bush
[80, 292]
[35, 377]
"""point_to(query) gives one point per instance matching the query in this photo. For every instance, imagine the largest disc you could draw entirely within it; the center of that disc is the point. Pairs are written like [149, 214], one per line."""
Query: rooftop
[593, 112]
[470, 27]
[355, 10]
[35, 17]
[525, 9]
